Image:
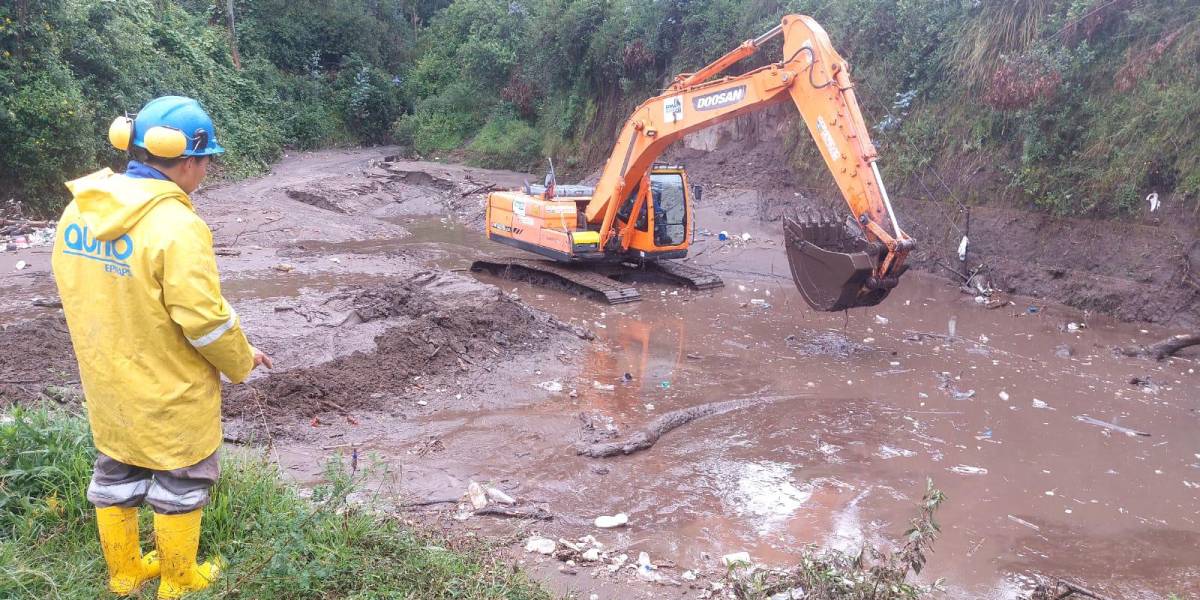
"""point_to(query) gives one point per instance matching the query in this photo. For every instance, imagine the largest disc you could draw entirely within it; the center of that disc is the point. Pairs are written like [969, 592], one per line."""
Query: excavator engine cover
[832, 266]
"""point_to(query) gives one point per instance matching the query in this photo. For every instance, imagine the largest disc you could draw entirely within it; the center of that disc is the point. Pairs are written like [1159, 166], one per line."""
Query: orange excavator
[640, 218]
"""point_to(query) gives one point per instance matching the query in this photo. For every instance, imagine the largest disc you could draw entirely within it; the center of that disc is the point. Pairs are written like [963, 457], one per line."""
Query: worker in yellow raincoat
[138, 279]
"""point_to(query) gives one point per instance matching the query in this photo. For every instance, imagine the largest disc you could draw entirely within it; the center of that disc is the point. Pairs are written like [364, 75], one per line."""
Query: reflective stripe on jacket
[138, 279]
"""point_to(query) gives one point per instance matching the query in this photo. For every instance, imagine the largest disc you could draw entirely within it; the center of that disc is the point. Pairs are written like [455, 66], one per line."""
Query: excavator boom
[833, 266]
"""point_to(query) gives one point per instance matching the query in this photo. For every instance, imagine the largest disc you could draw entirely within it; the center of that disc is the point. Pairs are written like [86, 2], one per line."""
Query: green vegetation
[278, 544]
[871, 574]
[1076, 106]
[312, 74]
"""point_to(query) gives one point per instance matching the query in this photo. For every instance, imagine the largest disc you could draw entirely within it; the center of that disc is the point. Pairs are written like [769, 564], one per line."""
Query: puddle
[1031, 489]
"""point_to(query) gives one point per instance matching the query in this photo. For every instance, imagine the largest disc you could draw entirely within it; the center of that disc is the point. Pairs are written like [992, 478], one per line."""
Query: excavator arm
[817, 81]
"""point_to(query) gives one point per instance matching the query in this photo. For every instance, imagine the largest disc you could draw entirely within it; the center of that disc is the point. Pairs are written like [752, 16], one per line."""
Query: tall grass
[1004, 28]
[278, 544]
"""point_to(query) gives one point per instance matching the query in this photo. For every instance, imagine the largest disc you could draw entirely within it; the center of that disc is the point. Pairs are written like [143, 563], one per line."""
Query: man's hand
[261, 359]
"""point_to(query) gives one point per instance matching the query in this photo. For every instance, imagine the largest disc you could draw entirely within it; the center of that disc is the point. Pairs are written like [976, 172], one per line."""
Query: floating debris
[1111, 426]
[968, 470]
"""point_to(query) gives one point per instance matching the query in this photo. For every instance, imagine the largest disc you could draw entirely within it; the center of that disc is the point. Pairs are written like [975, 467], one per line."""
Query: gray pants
[168, 492]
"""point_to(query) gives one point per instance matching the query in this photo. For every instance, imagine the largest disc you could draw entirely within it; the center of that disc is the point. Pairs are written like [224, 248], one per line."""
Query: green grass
[278, 544]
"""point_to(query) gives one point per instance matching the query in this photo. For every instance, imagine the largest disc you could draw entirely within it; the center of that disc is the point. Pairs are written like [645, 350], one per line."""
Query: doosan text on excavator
[640, 216]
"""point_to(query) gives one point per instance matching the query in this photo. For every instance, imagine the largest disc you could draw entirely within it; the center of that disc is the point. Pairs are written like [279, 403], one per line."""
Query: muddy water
[1019, 419]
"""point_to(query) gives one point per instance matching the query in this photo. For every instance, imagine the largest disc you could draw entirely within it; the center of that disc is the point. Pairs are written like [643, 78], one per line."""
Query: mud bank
[1144, 267]
[348, 268]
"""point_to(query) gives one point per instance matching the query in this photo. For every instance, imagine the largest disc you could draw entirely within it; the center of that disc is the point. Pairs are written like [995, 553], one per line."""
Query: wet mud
[389, 351]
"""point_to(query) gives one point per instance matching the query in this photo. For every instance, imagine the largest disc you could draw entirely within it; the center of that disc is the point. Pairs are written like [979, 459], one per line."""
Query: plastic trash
[737, 559]
[21, 265]
[1153, 200]
[606, 387]
[882, 320]
[1033, 310]
[745, 237]
[723, 235]
[968, 470]
[962, 248]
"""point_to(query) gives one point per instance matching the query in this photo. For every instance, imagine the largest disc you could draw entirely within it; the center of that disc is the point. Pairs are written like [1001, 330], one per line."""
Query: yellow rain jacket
[138, 280]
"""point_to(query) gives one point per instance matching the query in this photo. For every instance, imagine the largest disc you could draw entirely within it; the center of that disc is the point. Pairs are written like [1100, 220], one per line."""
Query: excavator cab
[663, 224]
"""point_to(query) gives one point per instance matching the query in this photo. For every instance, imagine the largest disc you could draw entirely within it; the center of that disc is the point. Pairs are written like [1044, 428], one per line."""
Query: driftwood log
[1165, 348]
[647, 436]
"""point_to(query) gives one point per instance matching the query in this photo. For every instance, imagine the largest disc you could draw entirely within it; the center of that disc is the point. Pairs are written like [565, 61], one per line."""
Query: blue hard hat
[169, 114]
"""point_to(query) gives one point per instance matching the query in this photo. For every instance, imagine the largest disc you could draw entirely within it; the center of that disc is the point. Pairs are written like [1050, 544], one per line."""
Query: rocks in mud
[498, 496]
[540, 545]
[476, 495]
[610, 522]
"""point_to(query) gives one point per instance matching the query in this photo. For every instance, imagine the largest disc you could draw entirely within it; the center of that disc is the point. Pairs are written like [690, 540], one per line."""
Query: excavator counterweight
[641, 213]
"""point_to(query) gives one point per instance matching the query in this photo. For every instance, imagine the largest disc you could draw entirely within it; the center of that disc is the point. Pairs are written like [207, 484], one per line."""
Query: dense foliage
[1079, 106]
[313, 73]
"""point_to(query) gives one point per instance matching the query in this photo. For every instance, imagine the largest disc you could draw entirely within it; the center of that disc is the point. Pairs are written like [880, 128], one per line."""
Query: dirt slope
[1140, 268]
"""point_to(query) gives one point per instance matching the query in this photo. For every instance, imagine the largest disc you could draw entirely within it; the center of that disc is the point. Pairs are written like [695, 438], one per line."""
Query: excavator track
[691, 276]
[575, 279]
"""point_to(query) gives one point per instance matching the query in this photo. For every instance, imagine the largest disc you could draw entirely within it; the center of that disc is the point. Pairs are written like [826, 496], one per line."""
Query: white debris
[497, 495]
[882, 320]
[1153, 200]
[609, 522]
[1004, 395]
[968, 470]
[962, 248]
[745, 237]
[1040, 404]
[688, 575]
[591, 555]
[540, 545]
[618, 562]
[646, 571]
[737, 558]
[607, 387]
[551, 386]
[477, 495]
[21, 265]
[886, 452]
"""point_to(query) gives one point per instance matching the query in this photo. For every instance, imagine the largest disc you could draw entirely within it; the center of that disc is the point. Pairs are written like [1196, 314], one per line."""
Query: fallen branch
[536, 514]
[483, 188]
[1165, 348]
[646, 438]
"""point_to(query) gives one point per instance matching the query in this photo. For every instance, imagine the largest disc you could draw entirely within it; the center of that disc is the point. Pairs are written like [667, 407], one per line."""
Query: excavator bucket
[831, 265]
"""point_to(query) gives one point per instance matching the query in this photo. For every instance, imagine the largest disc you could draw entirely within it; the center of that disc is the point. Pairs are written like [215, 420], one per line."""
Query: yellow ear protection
[160, 140]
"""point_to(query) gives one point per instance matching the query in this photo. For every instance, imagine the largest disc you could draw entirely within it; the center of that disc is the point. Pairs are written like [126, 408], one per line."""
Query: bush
[506, 142]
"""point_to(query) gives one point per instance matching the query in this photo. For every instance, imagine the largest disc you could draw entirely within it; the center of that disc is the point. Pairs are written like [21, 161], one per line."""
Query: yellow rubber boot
[178, 540]
[127, 568]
